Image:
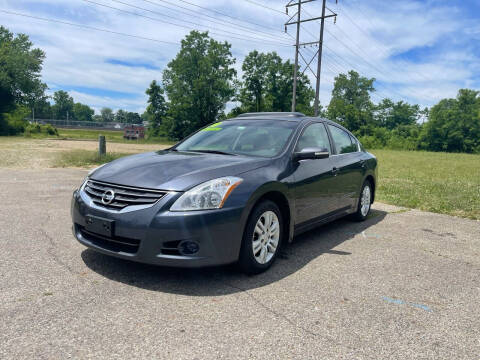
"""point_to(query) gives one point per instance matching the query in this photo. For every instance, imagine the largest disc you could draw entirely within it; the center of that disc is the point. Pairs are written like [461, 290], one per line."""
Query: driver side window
[315, 135]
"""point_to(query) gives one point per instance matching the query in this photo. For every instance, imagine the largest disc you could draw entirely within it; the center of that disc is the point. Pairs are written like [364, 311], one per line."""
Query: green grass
[83, 158]
[438, 182]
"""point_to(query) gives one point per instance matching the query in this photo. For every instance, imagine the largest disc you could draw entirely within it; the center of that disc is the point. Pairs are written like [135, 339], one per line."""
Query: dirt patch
[41, 153]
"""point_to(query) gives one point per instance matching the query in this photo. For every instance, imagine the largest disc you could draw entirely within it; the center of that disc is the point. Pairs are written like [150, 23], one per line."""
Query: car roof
[289, 116]
[286, 116]
[280, 116]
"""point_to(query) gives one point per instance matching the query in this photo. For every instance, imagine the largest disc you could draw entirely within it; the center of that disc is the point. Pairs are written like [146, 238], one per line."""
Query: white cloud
[79, 59]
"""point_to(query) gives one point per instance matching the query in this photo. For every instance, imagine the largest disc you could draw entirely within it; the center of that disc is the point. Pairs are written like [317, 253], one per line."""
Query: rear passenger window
[342, 140]
[315, 135]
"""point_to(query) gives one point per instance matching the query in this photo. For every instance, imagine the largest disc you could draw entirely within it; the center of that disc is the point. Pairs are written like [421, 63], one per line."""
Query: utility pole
[295, 69]
[298, 22]
[319, 64]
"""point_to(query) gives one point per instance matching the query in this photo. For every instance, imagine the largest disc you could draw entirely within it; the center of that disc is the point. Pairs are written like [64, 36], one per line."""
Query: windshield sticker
[213, 127]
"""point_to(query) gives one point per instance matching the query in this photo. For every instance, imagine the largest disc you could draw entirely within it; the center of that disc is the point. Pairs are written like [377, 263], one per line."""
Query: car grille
[116, 244]
[124, 195]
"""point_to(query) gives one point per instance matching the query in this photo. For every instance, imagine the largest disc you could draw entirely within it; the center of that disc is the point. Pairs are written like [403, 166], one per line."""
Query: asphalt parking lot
[405, 284]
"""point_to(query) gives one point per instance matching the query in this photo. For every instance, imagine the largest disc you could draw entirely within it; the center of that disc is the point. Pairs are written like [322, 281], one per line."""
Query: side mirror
[311, 153]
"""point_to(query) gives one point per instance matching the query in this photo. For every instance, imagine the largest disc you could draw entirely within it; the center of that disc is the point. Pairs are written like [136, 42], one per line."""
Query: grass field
[437, 182]
[83, 158]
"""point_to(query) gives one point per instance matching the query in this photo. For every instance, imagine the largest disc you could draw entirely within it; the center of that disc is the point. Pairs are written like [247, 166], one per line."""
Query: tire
[267, 244]
[364, 202]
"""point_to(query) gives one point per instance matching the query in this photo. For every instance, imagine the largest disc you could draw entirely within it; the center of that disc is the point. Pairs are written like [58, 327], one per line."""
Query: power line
[345, 45]
[179, 25]
[264, 6]
[88, 27]
[186, 21]
[224, 14]
[318, 54]
[215, 20]
[339, 68]
[384, 51]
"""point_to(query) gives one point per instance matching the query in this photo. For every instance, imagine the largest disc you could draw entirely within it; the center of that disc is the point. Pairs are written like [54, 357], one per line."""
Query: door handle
[335, 171]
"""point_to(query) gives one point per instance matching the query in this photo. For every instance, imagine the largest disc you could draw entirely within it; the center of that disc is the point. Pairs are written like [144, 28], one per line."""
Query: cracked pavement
[403, 284]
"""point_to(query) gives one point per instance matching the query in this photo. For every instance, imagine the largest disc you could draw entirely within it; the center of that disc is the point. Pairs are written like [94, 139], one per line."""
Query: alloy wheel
[365, 200]
[266, 236]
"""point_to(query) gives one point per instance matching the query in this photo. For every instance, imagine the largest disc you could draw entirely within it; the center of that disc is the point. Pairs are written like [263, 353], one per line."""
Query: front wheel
[262, 238]
[364, 202]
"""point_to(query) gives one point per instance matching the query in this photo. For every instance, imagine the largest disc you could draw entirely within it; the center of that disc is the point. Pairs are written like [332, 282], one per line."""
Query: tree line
[64, 108]
[201, 80]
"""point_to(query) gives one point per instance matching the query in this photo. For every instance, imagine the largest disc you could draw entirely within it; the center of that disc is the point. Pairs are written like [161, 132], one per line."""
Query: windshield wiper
[213, 152]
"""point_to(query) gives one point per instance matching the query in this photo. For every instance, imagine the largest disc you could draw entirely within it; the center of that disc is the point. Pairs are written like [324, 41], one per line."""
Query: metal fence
[73, 124]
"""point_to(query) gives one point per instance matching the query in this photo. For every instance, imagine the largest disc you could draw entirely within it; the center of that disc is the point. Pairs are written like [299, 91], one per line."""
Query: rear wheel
[364, 202]
[262, 238]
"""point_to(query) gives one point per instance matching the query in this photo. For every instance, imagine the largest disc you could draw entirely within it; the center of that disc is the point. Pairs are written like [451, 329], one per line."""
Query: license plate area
[100, 226]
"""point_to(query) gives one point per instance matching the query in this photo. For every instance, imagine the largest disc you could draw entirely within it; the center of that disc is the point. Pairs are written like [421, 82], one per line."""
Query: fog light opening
[188, 247]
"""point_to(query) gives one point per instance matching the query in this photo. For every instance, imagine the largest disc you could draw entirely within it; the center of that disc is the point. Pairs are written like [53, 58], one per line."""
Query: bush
[47, 129]
[14, 122]
[371, 142]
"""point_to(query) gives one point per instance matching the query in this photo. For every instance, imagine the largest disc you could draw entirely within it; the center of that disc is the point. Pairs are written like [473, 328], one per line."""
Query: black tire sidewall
[247, 261]
[358, 214]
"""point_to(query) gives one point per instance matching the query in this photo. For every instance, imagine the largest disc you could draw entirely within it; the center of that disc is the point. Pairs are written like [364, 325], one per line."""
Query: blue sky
[419, 51]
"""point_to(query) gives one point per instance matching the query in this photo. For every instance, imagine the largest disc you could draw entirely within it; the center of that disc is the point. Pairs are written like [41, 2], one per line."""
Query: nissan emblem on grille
[108, 197]
[117, 197]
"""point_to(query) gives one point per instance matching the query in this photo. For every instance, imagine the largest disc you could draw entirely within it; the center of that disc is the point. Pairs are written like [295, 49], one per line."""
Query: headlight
[209, 195]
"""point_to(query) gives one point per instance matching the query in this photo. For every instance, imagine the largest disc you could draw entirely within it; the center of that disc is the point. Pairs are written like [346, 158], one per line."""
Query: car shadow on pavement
[223, 280]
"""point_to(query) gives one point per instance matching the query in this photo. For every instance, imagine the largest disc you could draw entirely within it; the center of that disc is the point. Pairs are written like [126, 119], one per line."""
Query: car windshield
[264, 138]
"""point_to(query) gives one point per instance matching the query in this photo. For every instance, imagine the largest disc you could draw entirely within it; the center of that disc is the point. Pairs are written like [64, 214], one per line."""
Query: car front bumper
[154, 234]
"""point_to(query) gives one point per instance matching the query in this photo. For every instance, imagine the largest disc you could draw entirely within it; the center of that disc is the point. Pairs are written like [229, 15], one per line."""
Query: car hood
[174, 171]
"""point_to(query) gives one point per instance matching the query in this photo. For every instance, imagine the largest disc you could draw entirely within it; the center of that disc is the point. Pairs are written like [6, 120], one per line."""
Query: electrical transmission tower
[298, 44]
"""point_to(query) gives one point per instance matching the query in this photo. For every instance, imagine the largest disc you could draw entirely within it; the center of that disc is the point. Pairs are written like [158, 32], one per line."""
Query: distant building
[134, 132]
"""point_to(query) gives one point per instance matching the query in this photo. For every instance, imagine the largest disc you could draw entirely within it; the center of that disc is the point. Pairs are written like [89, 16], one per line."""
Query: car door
[347, 166]
[313, 177]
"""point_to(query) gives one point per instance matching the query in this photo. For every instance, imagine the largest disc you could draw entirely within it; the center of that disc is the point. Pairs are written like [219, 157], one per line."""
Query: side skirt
[311, 224]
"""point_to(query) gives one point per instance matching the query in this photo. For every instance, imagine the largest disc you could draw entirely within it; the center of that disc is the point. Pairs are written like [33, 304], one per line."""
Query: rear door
[314, 177]
[347, 166]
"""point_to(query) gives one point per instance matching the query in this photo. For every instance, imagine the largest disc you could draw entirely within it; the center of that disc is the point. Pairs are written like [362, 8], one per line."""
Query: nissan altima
[233, 192]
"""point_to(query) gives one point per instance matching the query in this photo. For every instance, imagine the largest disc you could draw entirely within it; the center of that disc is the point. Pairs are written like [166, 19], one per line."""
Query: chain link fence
[73, 124]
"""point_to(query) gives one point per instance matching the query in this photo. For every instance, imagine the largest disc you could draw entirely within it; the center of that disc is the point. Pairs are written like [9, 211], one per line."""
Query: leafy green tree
[133, 118]
[157, 108]
[20, 82]
[63, 105]
[350, 104]
[43, 109]
[392, 115]
[20, 67]
[198, 83]
[267, 85]
[454, 124]
[121, 116]
[82, 112]
[107, 114]
[254, 89]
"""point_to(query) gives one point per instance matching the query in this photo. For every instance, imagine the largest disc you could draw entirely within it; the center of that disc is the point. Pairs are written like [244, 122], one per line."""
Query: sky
[418, 51]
